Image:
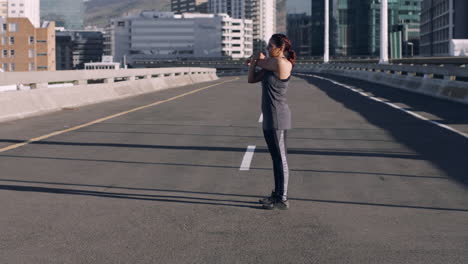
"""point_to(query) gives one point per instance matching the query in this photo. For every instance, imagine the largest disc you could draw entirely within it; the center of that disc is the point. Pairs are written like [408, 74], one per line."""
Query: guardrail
[448, 82]
[42, 92]
[37, 80]
[445, 72]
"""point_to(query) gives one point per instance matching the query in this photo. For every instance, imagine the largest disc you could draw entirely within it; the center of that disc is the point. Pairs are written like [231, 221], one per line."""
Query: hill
[99, 12]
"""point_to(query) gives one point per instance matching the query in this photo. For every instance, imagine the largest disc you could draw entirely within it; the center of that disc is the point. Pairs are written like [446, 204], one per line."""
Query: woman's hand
[254, 58]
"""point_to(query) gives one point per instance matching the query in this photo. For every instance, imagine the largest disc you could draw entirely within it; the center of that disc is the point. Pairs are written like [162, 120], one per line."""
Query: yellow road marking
[108, 117]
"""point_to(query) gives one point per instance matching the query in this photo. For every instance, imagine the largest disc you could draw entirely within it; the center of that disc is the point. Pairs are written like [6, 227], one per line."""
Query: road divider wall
[445, 82]
[42, 92]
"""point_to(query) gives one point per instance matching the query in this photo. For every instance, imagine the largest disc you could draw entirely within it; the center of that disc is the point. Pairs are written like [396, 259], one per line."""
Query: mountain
[99, 12]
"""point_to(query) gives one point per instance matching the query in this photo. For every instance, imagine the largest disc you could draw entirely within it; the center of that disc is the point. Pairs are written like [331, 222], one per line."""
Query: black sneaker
[268, 200]
[277, 204]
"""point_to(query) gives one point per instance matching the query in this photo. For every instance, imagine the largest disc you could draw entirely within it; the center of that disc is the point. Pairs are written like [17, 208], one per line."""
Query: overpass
[378, 174]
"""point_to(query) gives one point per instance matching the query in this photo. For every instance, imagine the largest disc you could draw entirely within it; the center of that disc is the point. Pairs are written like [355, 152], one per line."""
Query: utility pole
[384, 32]
[326, 55]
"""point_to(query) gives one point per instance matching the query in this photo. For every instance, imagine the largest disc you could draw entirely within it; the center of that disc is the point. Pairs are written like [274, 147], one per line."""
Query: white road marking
[260, 120]
[245, 165]
[391, 105]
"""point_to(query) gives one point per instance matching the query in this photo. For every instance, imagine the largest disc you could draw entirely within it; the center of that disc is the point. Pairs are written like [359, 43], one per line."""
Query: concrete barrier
[418, 79]
[26, 103]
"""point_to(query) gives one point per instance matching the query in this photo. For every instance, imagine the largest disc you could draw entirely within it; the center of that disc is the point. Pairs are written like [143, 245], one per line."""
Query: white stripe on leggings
[285, 164]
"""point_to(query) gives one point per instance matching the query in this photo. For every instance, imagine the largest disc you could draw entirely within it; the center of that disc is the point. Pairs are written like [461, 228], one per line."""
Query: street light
[326, 55]
[384, 32]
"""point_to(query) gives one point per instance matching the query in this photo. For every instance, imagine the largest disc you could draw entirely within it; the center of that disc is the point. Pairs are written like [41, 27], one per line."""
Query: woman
[275, 75]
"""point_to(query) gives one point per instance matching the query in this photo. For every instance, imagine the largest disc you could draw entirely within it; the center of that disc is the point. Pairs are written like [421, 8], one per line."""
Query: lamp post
[326, 55]
[384, 32]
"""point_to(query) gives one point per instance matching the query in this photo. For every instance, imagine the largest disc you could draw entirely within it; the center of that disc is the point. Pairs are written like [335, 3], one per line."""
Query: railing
[445, 72]
[37, 80]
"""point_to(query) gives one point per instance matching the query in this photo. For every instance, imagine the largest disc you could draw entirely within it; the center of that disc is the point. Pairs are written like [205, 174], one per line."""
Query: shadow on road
[445, 149]
[291, 151]
[186, 199]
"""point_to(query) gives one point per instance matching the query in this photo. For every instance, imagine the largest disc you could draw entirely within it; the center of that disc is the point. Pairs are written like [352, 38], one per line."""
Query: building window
[42, 67]
[5, 53]
[31, 66]
[12, 53]
[42, 54]
[31, 53]
[4, 40]
[5, 66]
[12, 67]
[31, 39]
[12, 40]
[41, 41]
[4, 27]
[13, 27]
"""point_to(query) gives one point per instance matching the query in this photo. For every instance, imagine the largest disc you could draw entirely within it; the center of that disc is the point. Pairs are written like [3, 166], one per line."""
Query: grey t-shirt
[275, 109]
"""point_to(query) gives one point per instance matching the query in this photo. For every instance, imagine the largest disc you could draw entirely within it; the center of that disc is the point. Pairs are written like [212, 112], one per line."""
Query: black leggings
[276, 141]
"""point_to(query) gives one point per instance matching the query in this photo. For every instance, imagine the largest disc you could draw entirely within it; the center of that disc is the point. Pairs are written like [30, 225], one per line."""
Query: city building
[189, 6]
[3, 8]
[444, 28]
[299, 27]
[66, 13]
[355, 27]
[264, 22]
[26, 48]
[75, 48]
[261, 12]
[21, 8]
[154, 35]
[107, 63]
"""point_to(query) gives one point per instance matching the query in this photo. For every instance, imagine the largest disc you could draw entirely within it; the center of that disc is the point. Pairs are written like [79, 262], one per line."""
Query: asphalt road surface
[369, 183]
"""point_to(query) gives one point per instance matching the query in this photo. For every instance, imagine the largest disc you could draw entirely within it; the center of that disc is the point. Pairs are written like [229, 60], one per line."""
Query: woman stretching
[275, 75]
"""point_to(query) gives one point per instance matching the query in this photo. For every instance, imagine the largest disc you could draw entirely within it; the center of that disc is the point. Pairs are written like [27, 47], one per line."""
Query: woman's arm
[270, 64]
[255, 76]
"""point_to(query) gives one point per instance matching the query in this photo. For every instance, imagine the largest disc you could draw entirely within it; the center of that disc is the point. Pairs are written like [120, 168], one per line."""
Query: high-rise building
[299, 27]
[261, 12]
[75, 48]
[26, 48]
[3, 8]
[152, 36]
[444, 27]
[264, 22]
[355, 26]
[189, 6]
[21, 8]
[66, 13]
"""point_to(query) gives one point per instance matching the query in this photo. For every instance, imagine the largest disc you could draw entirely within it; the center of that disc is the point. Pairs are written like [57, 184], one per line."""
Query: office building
[66, 13]
[299, 27]
[26, 48]
[75, 48]
[355, 26]
[444, 28]
[21, 8]
[261, 12]
[189, 6]
[164, 35]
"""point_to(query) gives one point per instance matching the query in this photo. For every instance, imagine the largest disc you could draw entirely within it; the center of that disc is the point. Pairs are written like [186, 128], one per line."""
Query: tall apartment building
[261, 12]
[21, 8]
[3, 8]
[66, 13]
[26, 48]
[75, 48]
[189, 6]
[444, 28]
[152, 36]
